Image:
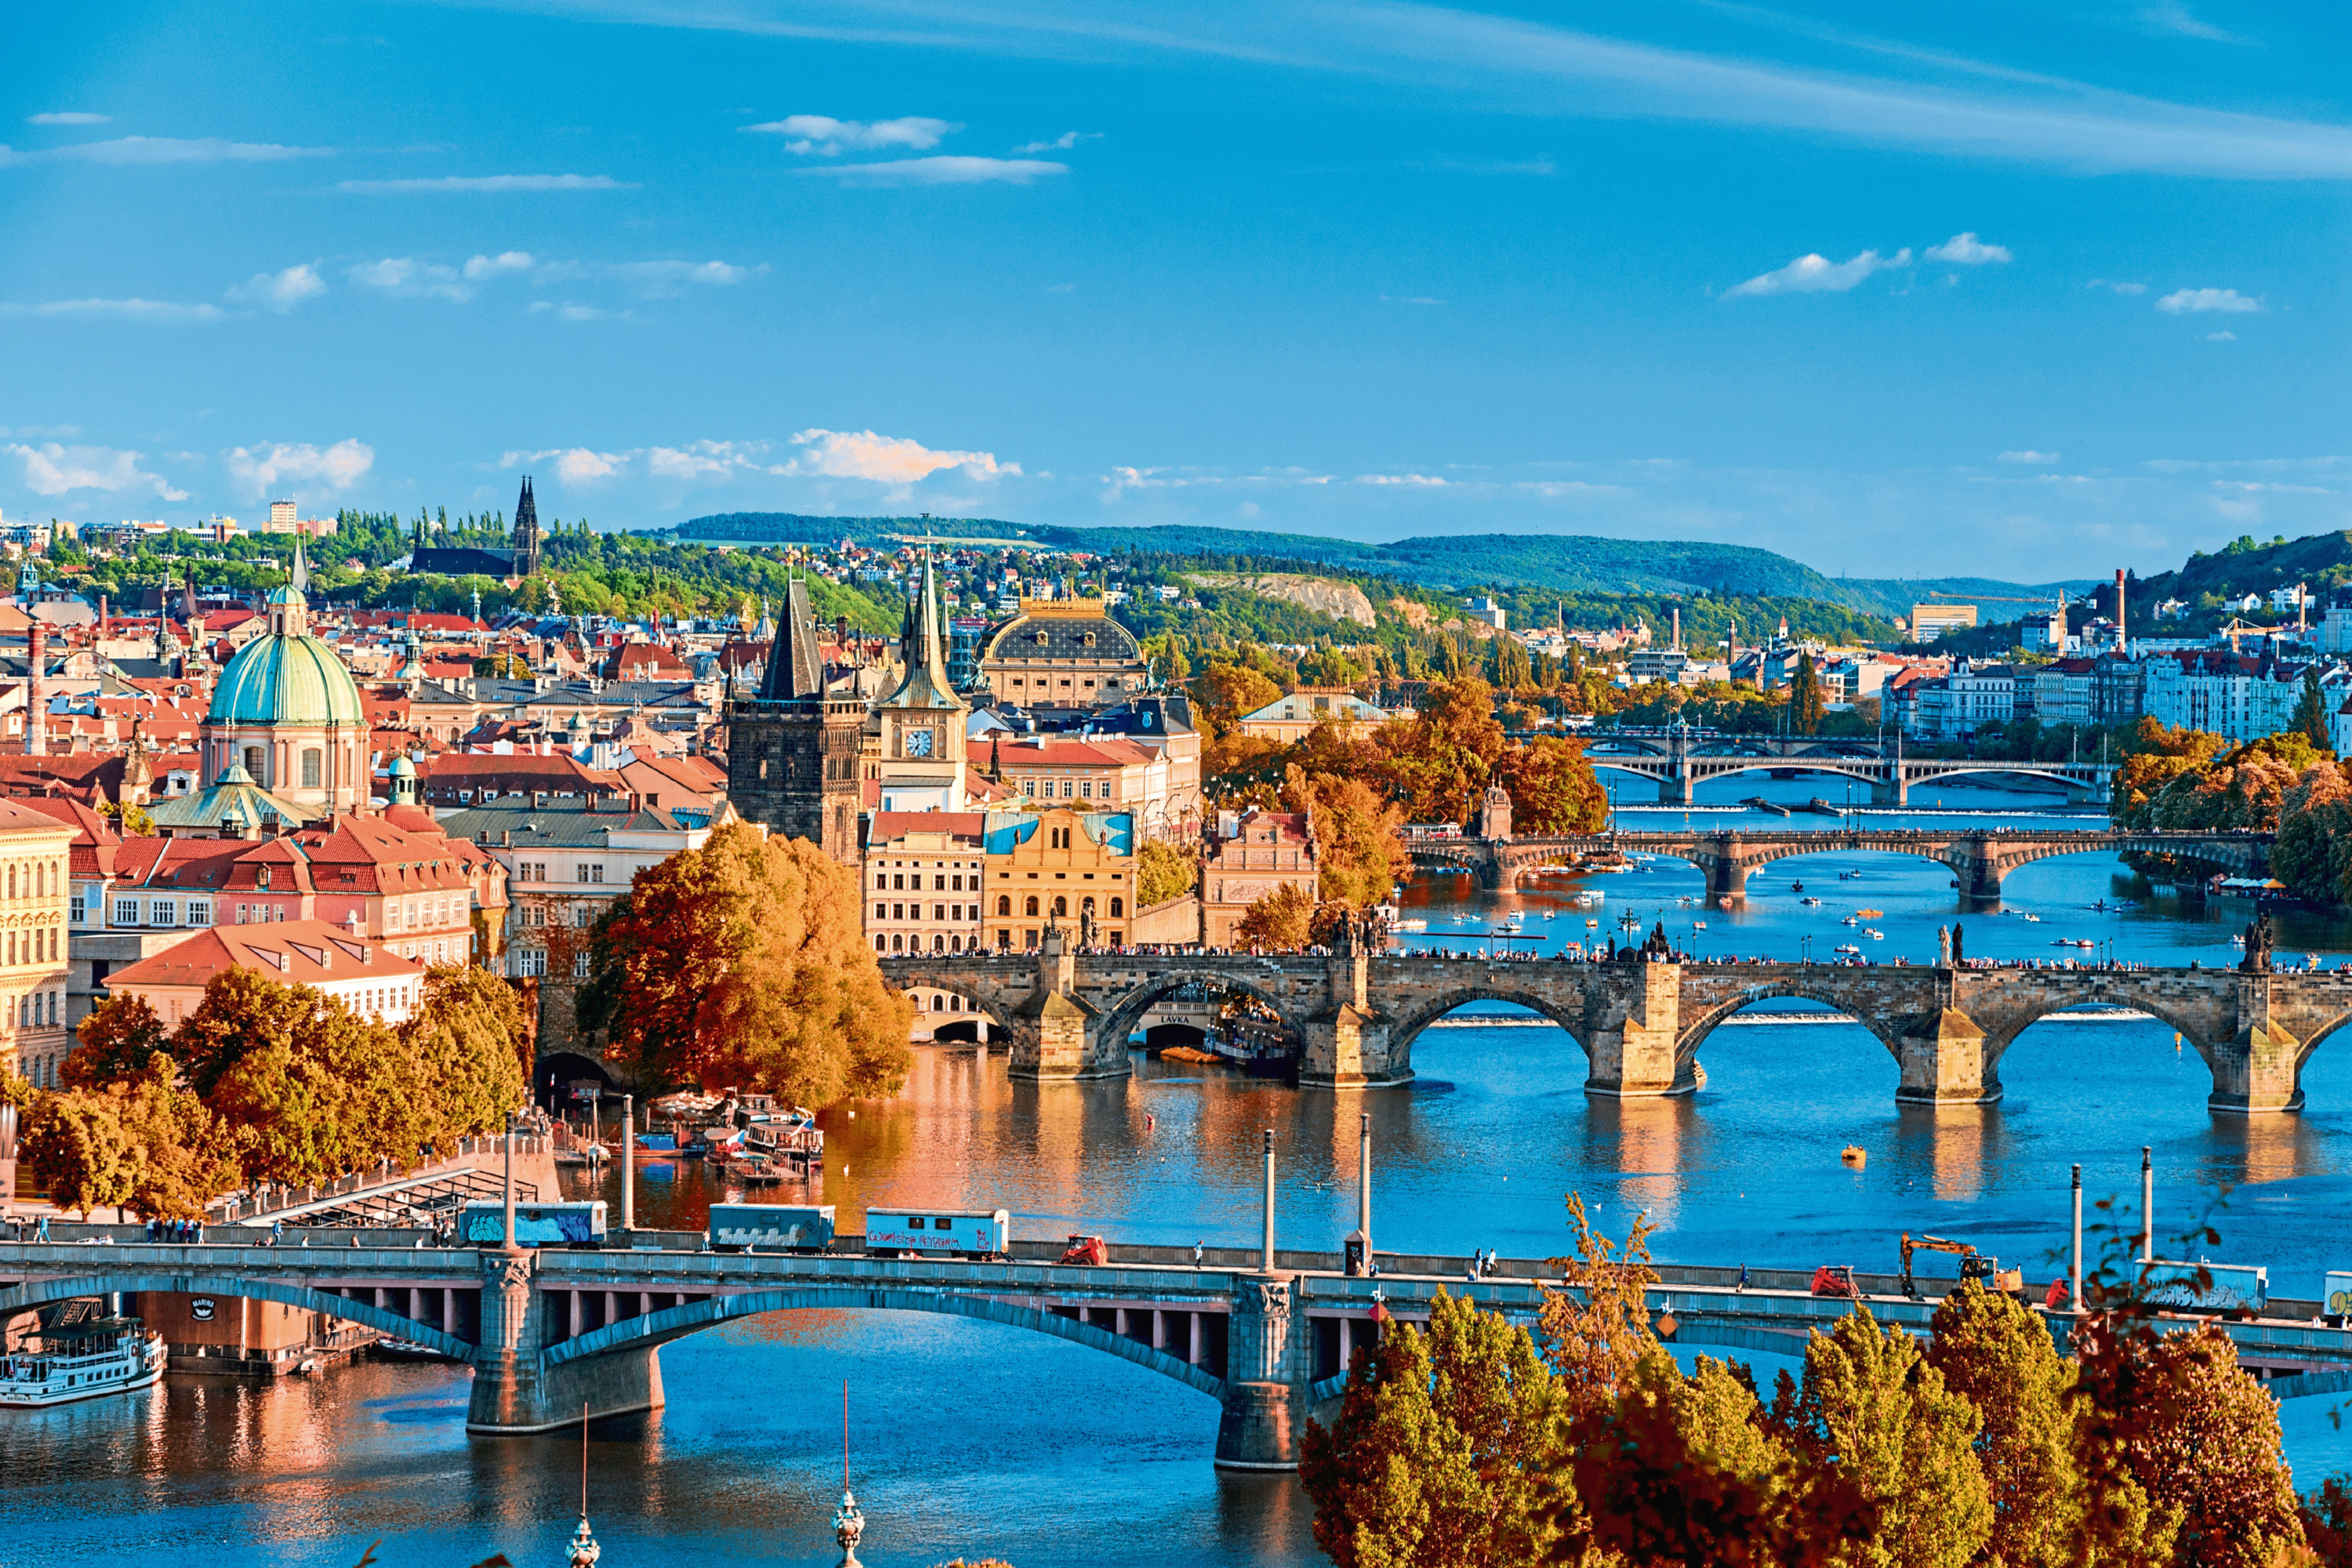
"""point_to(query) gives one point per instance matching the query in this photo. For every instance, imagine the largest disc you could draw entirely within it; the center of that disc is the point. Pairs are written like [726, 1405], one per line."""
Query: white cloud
[2118, 288]
[407, 277]
[159, 313]
[826, 136]
[2220, 337]
[1818, 274]
[1411, 299]
[654, 280]
[1399, 479]
[486, 183]
[704, 459]
[271, 469]
[281, 290]
[478, 267]
[68, 117]
[942, 170]
[573, 311]
[2039, 459]
[2172, 17]
[1061, 143]
[163, 149]
[887, 459]
[579, 466]
[52, 470]
[2197, 301]
[1967, 250]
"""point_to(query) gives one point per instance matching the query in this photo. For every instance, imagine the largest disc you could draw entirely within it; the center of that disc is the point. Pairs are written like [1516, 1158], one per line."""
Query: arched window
[1087, 904]
[1004, 904]
[1116, 906]
[1060, 905]
[1029, 906]
[12, 880]
[897, 942]
[939, 944]
[955, 944]
[877, 944]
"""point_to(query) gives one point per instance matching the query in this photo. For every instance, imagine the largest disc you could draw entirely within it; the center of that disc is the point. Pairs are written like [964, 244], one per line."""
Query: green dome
[285, 679]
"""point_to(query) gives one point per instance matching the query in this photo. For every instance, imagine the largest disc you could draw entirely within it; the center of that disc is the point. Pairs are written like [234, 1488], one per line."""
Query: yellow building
[34, 886]
[1072, 869]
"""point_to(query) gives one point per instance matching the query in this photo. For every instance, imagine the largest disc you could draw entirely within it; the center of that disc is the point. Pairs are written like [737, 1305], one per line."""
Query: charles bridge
[1979, 857]
[1642, 1026]
[551, 1334]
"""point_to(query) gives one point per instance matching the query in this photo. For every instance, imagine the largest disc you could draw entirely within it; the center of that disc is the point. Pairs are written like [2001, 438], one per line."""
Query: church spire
[795, 666]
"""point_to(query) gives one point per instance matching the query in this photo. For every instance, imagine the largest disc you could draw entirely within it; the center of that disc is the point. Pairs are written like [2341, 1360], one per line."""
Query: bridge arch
[2055, 774]
[34, 1293]
[1822, 993]
[983, 999]
[1410, 1024]
[1121, 1017]
[675, 1322]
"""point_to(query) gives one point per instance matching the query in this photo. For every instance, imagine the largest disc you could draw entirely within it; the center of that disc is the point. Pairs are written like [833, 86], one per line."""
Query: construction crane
[1974, 1265]
[2060, 599]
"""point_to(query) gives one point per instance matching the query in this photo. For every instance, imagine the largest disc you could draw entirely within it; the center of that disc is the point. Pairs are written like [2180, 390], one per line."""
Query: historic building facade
[1074, 870]
[1062, 655]
[289, 713]
[792, 749]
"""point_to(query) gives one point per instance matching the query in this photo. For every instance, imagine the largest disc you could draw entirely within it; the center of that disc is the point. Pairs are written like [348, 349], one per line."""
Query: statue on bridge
[1943, 947]
[2258, 945]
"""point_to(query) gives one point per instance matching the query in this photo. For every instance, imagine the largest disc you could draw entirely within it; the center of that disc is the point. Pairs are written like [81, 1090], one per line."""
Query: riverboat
[390, 1349]
[76, 1355]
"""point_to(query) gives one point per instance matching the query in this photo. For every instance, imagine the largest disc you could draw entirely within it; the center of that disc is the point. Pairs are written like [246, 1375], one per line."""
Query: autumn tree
[1360, 851]
[1870, 1406]
[469, 1040]
[1596, 1329]
[187, 1155]
[1439, 1454]
[1999, 1357]
[744, 964]
[116, 1039]
[1281, 922]
[2310, 713]
[1439, 762]
[77, 1149]
[1553, 789]
[1163, 871]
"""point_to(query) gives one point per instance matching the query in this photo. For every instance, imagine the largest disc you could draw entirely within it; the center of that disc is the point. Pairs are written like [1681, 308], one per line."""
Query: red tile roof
[293, 953]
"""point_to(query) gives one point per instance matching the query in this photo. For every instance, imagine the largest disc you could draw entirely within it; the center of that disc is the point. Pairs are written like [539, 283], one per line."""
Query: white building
[2238, 697]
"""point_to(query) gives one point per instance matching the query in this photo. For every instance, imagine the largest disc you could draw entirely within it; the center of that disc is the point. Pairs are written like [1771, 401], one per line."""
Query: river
[969, 1438]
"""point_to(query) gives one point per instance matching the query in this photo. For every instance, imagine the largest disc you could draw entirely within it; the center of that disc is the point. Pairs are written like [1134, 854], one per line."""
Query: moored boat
[79, 1353]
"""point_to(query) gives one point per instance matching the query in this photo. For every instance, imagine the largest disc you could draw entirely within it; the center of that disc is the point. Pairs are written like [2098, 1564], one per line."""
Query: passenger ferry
[78, 1354]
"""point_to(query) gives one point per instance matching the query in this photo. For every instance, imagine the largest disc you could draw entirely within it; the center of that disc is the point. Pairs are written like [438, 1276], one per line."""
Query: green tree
[470, 1041]
[1164, 871]
[1871, 1408]
[1439, 1455]
[116, 1039]
[1805, 707]
[1999, 1357]
[2310, 713]
[744, 962]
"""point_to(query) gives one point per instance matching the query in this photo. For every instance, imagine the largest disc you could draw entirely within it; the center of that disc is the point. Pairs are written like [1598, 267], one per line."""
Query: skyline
[2014, 295]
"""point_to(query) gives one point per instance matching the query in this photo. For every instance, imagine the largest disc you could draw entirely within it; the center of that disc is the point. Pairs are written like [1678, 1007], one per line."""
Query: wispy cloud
[2117, 288]
[2038, 459]
[573, 464]
[480, 268]
[276, 466]
[1061, 143]
[824, 136]
[2173, 17]
[700, 460]
[159, 313]
[407, 277]
[2198, 301]
[1411, 299]
[887, 459]
[484, 182]
[941, 170]
[129, 150]
[51, 469]
[654, 280]
[1817, 275]
[1967, 250]
[576, 310]
[2220, 337]
[68, 117]
[281, 290]
[1423, 480]
[1539, 167]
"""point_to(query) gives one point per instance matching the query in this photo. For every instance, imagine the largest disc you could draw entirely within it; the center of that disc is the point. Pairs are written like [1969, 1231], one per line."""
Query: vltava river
[973, 1439]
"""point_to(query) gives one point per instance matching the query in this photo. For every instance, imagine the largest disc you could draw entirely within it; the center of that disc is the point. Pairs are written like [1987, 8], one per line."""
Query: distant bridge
[1979, 857]
[1679, 763]
[551, 1334]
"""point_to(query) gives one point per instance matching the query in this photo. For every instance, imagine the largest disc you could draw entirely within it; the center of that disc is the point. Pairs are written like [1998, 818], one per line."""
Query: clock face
[919, 743]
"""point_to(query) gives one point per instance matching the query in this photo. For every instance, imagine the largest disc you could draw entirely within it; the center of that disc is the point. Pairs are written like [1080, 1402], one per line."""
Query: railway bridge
[1679, 763]
[1979, 857]
[1642, 1026]
[552, 1334]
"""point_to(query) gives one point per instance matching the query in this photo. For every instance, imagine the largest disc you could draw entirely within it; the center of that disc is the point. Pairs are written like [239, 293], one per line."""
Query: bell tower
[792, 747]
[923, 740]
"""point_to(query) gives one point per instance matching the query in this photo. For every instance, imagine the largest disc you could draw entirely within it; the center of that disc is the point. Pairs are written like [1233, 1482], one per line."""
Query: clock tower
[923, 721]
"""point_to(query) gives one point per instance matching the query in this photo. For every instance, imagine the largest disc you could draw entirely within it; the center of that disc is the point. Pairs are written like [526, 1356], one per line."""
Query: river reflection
[970, 1439]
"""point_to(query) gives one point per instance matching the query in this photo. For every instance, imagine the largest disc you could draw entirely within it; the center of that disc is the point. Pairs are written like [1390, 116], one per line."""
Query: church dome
[285, 678]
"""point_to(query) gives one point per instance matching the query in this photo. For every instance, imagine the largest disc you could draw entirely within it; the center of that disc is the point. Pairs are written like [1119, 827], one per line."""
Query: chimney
[37, 717]
[2122, 639]
[101, 614]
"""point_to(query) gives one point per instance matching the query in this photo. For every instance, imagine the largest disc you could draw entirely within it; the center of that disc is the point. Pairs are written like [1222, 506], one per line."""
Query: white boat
[77, 1354]
[1412, 925]
[1849, 949]
[1873, 935]
[1698, 925]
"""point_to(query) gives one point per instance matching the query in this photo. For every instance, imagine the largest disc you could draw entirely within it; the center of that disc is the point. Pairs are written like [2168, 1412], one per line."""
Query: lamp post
[628, 1162]
[1266, 1262]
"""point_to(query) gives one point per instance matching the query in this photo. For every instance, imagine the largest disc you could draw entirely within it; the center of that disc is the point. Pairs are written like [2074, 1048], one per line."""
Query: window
[879, 944]
[253, 764]
[939, 944]
[939, 912]
[1115, 908]
[1003, 904]
[899, 941]
[580, 965]
[899, 883]
[310, 758]
[881, 883]
[939, 884]
[166, 912]
[1087, 790]
[1029, 906]
[530, 961]
[78, 910]
[1060, 905]
[1086, 905]
[881, 911]
[126, 912]
[956, 884]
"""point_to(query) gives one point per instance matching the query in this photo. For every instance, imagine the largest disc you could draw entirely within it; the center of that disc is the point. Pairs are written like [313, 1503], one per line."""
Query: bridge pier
[1351, 1044]
[1634, 1021]
[1942, 1057]
[1266, 1372]
[1894, 790]
[515, 1392]
[2259, 1071]
[1726, 878]
[1677, 790]
[1056, 1033]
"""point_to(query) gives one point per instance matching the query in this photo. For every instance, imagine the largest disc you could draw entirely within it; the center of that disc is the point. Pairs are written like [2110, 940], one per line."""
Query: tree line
[268, 1083]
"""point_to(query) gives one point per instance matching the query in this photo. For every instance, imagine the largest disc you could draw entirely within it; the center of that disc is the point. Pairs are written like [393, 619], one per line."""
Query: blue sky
[2023, 288]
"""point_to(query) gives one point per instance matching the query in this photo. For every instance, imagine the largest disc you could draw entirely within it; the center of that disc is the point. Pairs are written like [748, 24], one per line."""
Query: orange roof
[293, 953]
[889, 824]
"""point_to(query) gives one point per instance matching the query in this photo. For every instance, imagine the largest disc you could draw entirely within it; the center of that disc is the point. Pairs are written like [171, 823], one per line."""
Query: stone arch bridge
[1640, 1026]
[1979, 858]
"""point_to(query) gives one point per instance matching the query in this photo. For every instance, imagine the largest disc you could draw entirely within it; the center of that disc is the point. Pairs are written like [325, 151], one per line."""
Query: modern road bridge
[551, 1334]
[1679, 763]
[1642, 1026]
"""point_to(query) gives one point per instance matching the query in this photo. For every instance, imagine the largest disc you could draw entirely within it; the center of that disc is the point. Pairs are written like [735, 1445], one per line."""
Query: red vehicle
[1086, 1249]
[1835, 1279]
